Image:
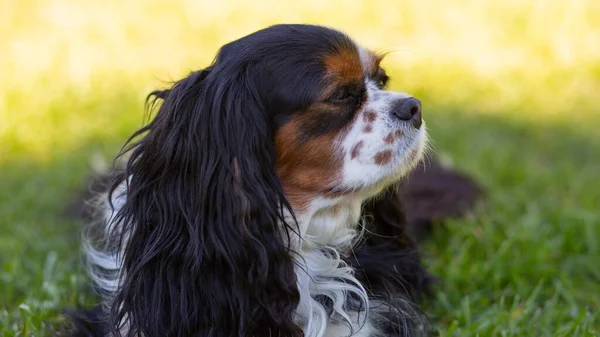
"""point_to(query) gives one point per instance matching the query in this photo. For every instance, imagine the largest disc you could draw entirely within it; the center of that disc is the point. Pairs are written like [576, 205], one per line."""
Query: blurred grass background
[510, 92]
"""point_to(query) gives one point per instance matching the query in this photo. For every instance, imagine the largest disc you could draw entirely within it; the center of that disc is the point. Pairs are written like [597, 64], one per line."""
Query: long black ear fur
[204, 208]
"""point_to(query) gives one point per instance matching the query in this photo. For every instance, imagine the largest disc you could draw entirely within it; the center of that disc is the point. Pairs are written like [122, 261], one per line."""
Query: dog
[265, 199]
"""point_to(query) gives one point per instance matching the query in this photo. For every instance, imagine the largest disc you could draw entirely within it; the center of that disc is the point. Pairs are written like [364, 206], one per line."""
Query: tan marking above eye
[383, 157]
[344, 65]
[356, 150]
[306, 166]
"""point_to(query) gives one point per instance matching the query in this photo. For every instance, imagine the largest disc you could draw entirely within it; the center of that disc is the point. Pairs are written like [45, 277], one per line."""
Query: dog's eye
[382, 82]
[341, 95]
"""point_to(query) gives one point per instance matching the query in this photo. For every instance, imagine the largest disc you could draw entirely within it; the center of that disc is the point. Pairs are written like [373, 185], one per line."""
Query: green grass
[510, 95]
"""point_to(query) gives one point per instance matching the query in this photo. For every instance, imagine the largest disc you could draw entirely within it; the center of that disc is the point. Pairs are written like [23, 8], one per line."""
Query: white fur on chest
[334, 223]
[328, 233]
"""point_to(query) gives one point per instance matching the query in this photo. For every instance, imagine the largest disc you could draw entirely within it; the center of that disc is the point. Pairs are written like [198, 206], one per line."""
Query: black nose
[408, 109]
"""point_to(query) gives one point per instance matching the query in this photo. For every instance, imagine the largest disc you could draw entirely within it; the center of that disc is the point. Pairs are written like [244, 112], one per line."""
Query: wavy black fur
[388, 262]
[206, 256]
[391, 246]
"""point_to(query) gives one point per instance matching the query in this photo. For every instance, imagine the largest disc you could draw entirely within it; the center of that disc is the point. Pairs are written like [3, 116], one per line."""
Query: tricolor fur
[262, 199]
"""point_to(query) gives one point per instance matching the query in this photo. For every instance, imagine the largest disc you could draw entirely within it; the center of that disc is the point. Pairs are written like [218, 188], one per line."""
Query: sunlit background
[510, 90]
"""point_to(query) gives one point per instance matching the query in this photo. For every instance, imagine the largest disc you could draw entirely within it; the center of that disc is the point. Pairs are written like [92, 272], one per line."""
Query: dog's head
[311, 100]
[338, 131]
[283, 117]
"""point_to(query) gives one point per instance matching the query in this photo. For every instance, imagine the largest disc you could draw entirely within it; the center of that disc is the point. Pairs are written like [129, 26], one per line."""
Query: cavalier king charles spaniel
[263, 200]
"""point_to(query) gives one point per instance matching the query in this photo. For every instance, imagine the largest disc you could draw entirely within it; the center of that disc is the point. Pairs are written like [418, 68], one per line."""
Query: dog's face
[339, 131]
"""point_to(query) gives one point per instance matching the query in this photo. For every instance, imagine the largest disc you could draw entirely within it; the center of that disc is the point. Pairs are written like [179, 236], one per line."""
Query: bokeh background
[510, 90]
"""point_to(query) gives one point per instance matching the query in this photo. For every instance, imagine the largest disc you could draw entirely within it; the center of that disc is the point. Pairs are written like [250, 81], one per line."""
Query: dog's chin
[406, 160]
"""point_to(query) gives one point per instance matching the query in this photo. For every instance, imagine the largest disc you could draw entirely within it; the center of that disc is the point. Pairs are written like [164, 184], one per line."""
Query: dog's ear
[206, 252]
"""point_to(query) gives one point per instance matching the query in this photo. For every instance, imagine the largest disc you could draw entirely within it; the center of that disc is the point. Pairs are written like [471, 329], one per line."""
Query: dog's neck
[331, 222]
[328, 231]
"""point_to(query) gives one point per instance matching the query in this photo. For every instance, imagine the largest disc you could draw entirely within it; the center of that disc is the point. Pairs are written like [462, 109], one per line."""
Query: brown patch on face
[383, 157]
[370, 117]
[344, 65]
[306, 167]
[398, 133]
[368, 128]
[356, 150]
[308, 161]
